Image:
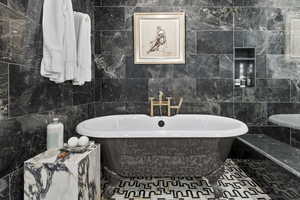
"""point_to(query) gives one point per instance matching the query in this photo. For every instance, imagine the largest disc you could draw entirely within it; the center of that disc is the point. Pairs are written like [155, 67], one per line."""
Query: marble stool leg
[113, 181]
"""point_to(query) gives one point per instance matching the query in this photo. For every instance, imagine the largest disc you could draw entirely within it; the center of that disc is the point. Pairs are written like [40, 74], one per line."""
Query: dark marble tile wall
[27, 100]
[213, 29]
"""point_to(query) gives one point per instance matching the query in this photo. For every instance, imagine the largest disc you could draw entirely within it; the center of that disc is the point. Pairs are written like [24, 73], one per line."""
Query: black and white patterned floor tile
[235, 183]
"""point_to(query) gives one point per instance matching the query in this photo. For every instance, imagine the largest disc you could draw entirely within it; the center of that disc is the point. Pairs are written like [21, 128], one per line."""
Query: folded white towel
[59, 51]
[84, 52]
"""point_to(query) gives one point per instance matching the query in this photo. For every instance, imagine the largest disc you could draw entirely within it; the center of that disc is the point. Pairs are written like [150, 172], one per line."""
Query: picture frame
[292, 36]
[159, 38]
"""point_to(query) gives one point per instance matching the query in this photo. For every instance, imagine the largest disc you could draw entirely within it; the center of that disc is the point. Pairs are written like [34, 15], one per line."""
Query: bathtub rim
[110, 134]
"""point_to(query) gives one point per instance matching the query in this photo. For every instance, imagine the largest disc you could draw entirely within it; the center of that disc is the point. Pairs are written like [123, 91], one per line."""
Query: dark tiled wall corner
[213, 29]
[27, 100]
[12, 185]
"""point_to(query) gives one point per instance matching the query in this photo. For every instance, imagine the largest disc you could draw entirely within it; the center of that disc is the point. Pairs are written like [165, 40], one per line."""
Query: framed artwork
[293, 36]
[159, 38]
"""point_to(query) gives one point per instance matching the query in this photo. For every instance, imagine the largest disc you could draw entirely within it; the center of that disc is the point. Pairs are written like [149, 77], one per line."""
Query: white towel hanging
[59, 51]
[83, 71]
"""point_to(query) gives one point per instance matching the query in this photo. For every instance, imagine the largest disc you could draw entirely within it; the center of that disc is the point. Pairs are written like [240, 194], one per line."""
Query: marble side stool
[75, 177]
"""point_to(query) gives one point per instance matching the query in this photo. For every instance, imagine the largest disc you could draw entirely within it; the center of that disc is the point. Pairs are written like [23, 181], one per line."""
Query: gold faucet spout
[167, 103]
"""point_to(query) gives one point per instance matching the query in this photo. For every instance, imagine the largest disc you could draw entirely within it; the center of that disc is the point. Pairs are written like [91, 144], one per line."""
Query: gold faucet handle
[180, 102]
[178, 105]
[160, 96]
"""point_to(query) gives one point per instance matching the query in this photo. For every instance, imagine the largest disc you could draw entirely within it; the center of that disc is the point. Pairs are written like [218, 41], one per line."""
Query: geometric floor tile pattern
[236, 184]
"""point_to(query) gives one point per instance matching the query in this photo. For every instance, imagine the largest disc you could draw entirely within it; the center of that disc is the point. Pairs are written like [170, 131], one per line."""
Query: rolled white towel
[59, 50]
[83, 72]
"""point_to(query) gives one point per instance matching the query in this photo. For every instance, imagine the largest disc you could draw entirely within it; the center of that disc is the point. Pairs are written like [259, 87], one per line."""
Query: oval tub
[186, 146]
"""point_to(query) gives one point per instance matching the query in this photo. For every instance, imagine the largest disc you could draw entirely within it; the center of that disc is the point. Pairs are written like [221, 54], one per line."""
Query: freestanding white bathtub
[182, 145]
[178, 126]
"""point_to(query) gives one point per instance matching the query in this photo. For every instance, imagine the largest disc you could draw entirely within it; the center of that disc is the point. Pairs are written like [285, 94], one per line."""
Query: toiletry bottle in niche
[55, 135]
[249, 81]
[242, 76]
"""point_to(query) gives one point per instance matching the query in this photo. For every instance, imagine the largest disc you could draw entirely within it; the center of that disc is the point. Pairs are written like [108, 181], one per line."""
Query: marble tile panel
[4, 2]
[4, 38]
[265, 3]
[250, 39]
[283, 108]
[263, 41]
[98, 89]
[251, 113]
[16, 184]
[226, 66]
[261, 66]
[250, 19]
[97, 2]
[191, 42]
[138, 107]
[114, 90]
[215, 42]
[276, 42]
[272, 90]
[146, 3]
[116, 43]
[295, 90]
[136, 89]
[209, 18]
[28, 8]
[18, 5]
[83, 94]
[295, 138]
[182, 71]
[11, 155]
[185, 88]
[110, 66]
[147, 71]
[4, 187]
[97, 43]
[276, 18]
[83, 6]
[177, 88]
[7, 13]
[281, 67]
[110, 108]
[219, 90]
[12, 38]
[3, 91]
[109, 18]
[32, 45]
[34, 10]
[215, 108]
[203, 66]
[29, 93]
[161, 84]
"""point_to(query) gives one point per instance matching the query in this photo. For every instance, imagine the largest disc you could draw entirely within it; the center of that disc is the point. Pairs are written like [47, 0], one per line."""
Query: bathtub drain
[161, 123]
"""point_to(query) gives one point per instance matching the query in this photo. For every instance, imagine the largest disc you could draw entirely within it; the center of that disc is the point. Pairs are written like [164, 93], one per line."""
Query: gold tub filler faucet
[163, 103]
